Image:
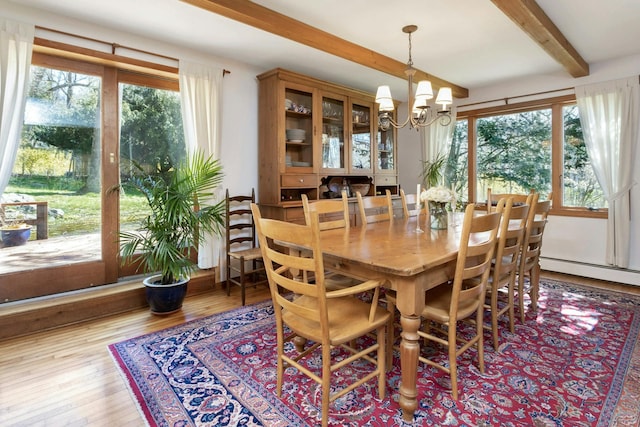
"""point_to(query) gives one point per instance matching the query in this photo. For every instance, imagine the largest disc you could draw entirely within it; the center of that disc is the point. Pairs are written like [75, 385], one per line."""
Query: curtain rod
[507, 99]
[114, 46]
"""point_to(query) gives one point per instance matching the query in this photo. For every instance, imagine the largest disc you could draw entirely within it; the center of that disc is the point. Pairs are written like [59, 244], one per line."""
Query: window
[521, 147]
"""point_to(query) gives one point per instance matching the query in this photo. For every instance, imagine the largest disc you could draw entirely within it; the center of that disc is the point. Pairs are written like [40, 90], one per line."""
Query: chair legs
[533, 291]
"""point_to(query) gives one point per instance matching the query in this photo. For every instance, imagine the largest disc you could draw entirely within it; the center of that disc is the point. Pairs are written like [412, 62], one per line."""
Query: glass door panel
[333, 114]
[298, 129]
[54, 192]
[386, 151]
[361, 138]
[151, 140]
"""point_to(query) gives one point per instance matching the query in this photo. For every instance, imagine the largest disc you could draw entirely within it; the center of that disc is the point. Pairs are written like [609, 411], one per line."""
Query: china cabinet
[318, 138]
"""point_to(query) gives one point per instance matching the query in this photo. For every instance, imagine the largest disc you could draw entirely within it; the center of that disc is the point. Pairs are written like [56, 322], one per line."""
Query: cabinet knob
[301, 180]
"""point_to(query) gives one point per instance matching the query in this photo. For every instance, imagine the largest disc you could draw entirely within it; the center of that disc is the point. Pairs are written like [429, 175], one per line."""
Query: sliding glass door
[85, 126]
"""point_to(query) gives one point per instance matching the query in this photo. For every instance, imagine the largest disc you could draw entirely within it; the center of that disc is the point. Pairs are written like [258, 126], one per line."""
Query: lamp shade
[444, 97]
[424, 91]
[383, 97]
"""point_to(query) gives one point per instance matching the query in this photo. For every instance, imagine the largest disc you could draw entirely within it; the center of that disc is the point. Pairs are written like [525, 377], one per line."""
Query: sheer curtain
[436, 139]
[201, 100]
[16, 44]
[610, 116]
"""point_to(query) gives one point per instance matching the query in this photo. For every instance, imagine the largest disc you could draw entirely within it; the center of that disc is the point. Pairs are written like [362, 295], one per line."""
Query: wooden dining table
[410, 262]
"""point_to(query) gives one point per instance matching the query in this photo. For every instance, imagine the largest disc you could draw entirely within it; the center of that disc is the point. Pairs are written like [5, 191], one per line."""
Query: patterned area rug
[576, 362]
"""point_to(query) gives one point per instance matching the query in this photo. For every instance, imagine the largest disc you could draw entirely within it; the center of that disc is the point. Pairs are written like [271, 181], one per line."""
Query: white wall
[571, 245]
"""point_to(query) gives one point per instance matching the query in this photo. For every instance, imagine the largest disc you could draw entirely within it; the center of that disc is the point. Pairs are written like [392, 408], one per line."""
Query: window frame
[557, 148]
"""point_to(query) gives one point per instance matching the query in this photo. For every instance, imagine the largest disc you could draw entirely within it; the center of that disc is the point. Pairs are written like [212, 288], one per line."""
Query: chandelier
[419, 114]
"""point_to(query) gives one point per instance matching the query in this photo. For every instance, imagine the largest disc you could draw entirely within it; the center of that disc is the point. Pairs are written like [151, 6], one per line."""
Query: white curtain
[610, 117]
[436, 139]
[201, 97]
[16, 44]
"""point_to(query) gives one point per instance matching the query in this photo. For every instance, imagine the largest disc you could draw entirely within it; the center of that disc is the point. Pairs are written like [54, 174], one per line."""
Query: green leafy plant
[183, 209]
[433, 170]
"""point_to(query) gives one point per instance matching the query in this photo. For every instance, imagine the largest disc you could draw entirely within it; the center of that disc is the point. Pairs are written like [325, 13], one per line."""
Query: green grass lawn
[82, 213]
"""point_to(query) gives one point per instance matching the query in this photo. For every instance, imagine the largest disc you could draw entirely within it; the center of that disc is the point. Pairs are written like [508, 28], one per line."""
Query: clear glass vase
[438, 216]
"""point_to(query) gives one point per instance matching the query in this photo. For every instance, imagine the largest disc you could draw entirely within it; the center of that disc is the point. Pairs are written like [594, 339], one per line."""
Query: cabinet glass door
[298, 129]
[386, 150]
[360, 138]
[333, 133]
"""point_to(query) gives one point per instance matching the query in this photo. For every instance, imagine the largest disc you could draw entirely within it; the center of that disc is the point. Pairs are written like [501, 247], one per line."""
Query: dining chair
[529, 264]
[332, 214]
[375, 208]
[410, 201]
[493, 198]
[502, 278]
[328, 320]
[241, 244]
[463, 298]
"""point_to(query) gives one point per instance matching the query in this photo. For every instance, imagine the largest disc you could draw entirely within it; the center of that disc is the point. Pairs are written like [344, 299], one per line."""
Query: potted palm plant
[183, 209]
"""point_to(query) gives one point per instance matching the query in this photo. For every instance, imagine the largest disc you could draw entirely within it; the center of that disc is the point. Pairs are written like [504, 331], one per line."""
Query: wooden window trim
[555, 104]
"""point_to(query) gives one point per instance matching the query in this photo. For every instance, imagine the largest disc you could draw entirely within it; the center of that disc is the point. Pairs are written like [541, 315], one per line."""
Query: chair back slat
[375, 208]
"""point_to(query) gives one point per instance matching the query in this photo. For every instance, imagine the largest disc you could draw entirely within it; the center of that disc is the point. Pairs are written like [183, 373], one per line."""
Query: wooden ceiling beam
[260, 17]
[533, 21]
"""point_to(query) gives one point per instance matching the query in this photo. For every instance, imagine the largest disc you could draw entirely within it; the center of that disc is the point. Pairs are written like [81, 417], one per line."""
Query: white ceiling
[467, 42]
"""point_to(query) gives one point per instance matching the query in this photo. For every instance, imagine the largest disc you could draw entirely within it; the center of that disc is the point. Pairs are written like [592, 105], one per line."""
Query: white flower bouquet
[437, 194]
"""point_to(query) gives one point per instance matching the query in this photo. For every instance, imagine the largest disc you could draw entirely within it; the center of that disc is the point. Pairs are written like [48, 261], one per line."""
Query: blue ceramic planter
[15, 237]
[165, 299]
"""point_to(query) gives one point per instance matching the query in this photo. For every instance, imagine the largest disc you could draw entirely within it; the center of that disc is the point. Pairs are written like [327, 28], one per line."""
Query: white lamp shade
[383, 97]
[444, 96]
[424, 91]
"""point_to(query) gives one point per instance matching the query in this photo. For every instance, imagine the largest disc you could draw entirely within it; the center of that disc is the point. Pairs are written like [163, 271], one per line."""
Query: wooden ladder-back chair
[529, 264]
[241, 244]
[332, 214]
[518, 199]
[450, 303]
[375, 208]
[411, 205]
[327, 319]
[505, 264]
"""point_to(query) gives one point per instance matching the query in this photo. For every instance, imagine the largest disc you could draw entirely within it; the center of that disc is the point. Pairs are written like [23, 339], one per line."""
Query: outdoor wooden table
[410, 263]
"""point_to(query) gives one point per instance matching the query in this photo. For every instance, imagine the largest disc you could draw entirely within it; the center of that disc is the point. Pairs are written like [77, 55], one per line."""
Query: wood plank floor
[66, 377]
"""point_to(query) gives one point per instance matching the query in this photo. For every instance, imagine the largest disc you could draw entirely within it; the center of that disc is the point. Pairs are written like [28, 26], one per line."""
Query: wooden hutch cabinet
[316, 138]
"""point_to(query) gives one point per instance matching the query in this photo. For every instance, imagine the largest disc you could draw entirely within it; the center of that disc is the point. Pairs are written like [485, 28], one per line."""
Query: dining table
[410, 258]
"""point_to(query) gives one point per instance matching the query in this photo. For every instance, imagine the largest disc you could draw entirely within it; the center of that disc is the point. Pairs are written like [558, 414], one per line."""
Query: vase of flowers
[438, 198]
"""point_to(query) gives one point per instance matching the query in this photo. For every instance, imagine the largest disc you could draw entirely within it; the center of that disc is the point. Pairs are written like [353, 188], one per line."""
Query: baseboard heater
[594, 271]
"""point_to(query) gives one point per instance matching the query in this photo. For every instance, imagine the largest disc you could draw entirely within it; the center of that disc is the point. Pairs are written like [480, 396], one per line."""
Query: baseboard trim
[593, 271]
[44, 313]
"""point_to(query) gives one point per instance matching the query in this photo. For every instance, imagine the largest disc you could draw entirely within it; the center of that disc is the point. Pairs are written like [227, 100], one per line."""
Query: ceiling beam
[533, 21]
[260, 17]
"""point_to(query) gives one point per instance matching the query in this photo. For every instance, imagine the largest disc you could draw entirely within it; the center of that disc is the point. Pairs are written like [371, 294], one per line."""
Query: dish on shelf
[296, 134]
[297, 141]
[300, 164]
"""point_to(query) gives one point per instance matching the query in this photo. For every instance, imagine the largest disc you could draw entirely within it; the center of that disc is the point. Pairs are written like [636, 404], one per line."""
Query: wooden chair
[328, 319]
[375, 208]
[529, 264]
[332, 214]
[450, 303]
[410, 200]
[493, 198]
[505, 265]
[241, 244]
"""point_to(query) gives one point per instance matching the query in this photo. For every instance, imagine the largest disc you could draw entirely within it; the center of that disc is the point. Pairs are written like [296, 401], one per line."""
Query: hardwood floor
[66, 377]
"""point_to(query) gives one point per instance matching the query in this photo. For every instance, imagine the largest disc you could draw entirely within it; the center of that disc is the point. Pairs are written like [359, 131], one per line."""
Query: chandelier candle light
[419, 114]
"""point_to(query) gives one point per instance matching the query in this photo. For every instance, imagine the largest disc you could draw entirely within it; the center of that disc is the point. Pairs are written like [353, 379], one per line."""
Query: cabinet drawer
[299, 181]
[386, 180]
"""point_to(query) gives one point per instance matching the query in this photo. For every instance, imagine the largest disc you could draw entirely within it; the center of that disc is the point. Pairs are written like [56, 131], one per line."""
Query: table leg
[409, 352]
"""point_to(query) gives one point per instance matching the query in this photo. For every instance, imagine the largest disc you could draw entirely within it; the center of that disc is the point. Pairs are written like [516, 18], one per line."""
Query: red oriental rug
[576, 362]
